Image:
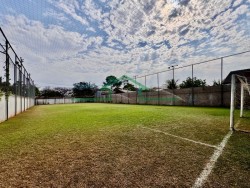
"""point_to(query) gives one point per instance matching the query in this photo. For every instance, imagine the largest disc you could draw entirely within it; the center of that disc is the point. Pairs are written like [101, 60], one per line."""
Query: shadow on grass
[243, 131]
[244, 117]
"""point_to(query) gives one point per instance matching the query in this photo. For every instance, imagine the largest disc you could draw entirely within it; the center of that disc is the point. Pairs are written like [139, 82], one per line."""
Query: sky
[67, 41]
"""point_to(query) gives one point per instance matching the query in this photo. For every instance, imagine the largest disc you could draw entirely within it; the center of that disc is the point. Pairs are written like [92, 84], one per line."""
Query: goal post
[232, 107]
[241, 99]
[239, 86]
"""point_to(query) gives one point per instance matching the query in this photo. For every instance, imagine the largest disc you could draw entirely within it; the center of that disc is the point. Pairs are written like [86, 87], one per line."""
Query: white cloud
[237, 2]
[56, 15]
[70, 7]
[173, 31]
[91, 10]
[49, 49]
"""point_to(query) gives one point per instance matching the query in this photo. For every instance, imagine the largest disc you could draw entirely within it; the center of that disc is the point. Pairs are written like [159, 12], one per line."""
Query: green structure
[141, 93]
[140, 86]
[108, 88]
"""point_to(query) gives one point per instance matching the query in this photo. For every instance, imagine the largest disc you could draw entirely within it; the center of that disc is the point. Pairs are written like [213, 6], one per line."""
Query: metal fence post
[24, 88]
[20, 84]
[158, 85]
[128, 96]
[7, 75]
[136, 93]
[221, 80]
[121, 98]
[28, 90]
[15, 83]
[192, 84]
[146, 90]
[173, 98]
[33, 89]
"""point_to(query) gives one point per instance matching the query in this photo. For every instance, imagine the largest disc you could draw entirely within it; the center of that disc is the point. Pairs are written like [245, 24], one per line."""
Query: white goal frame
[243, 85]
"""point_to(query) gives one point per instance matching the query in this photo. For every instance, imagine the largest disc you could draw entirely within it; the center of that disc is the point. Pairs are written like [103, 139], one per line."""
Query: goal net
[240, 99]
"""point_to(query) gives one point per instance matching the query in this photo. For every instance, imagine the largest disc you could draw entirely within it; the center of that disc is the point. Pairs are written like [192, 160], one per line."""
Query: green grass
[98, 145]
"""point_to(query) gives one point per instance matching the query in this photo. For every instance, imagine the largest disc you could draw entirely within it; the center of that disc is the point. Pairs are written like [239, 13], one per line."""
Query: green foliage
[50, 93]
[113, 82]
[1, 94]
[84, 89]
[129, 87]
[37, 91]
[1, 88]
[5, 89]
[216, 83]
[188, 83]
[64, 91]
[171, 84]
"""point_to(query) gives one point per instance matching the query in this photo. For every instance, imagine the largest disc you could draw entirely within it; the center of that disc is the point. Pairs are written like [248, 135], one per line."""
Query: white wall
[14, 106]
[11, 106]
[2, 109]
[55, 101]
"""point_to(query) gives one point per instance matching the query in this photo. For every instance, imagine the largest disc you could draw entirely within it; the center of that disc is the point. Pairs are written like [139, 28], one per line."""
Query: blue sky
[67, 41]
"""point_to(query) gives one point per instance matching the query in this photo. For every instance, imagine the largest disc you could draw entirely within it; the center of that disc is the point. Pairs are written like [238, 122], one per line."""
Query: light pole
[173, 82]
[172, 67]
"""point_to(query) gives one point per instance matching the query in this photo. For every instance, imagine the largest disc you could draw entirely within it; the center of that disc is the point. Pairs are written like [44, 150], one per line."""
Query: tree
[129, 87]
[113, 82]
[192, 83]
[216, 83]
[84, 89]
[50, 93]
[171, 84]
[1, 88]
[37, 91]
[63, 90]
[5, 88]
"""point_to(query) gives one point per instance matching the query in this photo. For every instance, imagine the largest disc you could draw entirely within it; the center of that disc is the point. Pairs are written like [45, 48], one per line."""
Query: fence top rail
[193, 64]
[16, 56]
[9, 43]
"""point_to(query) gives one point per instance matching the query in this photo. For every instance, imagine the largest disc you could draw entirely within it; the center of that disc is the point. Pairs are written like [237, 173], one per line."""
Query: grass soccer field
[105, 145]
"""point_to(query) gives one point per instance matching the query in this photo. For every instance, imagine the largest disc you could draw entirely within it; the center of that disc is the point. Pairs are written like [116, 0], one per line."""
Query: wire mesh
[234, 63]
[2, 73]
[16, 86]
[198, 84]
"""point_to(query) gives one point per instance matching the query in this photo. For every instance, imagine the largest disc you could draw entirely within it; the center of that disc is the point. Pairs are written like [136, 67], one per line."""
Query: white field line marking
[182, 138]
[213, 159]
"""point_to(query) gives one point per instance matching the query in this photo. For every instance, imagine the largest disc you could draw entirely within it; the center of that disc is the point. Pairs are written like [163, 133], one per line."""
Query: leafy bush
[189, 82]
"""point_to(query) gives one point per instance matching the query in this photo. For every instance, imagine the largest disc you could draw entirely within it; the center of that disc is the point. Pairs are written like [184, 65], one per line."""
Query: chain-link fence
[17, 90]
[198, 84]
